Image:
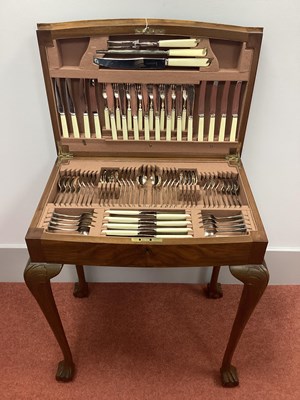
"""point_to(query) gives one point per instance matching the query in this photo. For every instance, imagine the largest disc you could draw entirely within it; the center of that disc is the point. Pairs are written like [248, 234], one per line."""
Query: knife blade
[111, 110]
[83, 96]
[71, 108]
[93, 94]
[134, 108]
[145, 104]
[235, 110]
[123, 103]
[201, 111]
[137, 44]
[156, 106]
[169, 112]
[224, 103]
[60, 108]
[167, 53]
[212, 111]
[151, 63]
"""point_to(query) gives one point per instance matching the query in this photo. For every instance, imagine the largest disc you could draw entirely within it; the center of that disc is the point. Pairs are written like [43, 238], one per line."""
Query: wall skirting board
[283, 264]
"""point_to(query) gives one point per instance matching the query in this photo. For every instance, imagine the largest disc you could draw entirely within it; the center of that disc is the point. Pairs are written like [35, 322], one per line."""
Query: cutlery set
[160, 112]
[148, 185]
[233, 224]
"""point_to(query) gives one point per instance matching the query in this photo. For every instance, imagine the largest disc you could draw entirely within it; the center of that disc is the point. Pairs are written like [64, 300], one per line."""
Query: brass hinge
[63, 156]
[233, 159]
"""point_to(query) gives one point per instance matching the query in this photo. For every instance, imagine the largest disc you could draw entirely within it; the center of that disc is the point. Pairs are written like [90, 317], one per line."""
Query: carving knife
[190, 109]
[60, 108]
[201, 111]
[213, 107]
[72, 110]
[151, 63]
[163, 53]
[235, 110]
[111, 110]
[224, 103]
[137, 44]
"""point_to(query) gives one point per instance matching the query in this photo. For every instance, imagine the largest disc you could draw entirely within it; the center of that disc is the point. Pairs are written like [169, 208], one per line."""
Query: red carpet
[149, 341]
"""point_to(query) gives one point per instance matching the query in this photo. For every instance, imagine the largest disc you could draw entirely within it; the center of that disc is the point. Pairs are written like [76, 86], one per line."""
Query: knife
[169, 112]
[60, 108]
[224, 103]
[235, 110]
[166, 53]
[190, 109]
[137, 44]
[156, 106]
[147, 212]
[129, 114]
[71, 108]
[146, 224]
[145, 234]
[145, 103]
[106, 112]
[151, 63]
[134, 108]
[212, 111]
[201, 111]
[117, 102]
[153, 230]
[93, 92]
[111, 110]
[86, 123]
[179, 100]
[162, 95]
[123, 111]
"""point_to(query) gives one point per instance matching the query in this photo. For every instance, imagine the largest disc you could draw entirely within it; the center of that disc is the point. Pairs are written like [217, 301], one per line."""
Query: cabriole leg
[81, 288]
[255, 279]
[37, 277]
[214, 289]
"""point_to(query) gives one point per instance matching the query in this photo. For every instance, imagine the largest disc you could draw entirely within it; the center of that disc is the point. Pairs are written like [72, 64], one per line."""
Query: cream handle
[187, 62]
[201, 128]
[173, 119]
[178, 43]
[64, 126]
[129, 119]
[124, 127]
[222, 128]
[233, 130]
[190, 129]
[86, 124]
[113, 127]
[75, 126]
[157, 127]
[146, 128]
[151, 124]
[162, 119]
[168, 128]
[136, 128]
[118, 118]
[106, 118]
[179, 129]
[140, 118]
[211, 132]
[187, 52]
[183, 119]
[97, 126]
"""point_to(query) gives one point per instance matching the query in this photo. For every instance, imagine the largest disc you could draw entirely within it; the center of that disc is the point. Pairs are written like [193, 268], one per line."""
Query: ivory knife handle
[113, 127]
[124, 127]
[140, 118]
[178, 43]
[187, 52]
[168, 127]
[162, 119]
[118, 118]
[86, 124]
[106, 118]
[232, 137]
[190, 129]
[136, 128]
[97, 126]
[75, 126]
[64, 126]
[173, 119]
[183, 117]
[179, 129]
[211, 132]
[222, 128]
[188, 62]
[146, 128]
[201, 128]
[157, 127]
[151, 115]
[129, 119]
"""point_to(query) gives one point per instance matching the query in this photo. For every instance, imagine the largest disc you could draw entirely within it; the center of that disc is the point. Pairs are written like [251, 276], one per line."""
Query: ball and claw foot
[229, 376]
[214, 292]
[80, 290]
[65, 371]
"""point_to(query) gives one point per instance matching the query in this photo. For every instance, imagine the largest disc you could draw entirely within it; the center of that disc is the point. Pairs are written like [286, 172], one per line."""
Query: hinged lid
[195, 105]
